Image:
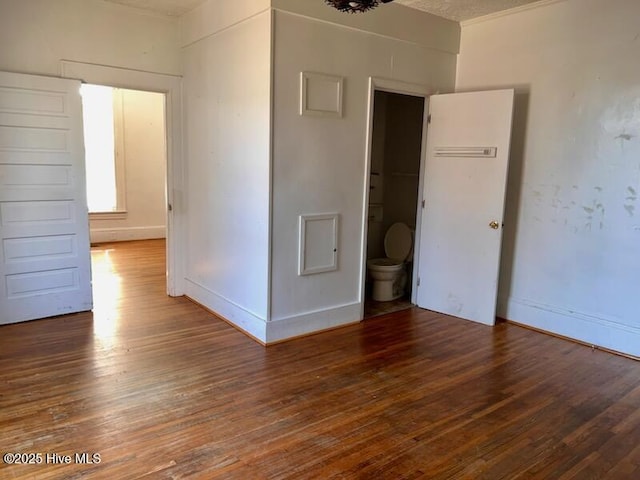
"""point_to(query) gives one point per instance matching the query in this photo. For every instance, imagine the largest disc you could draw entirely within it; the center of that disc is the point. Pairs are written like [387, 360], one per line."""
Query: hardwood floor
[159, 388]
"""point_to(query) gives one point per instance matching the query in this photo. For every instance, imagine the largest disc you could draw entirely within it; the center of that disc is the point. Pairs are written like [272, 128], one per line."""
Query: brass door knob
[495, 225]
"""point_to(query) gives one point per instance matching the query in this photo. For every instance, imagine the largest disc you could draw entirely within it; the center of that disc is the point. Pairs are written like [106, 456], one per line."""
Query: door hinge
[423, 203]
[418, 282]
[429, 118]
[169, 207]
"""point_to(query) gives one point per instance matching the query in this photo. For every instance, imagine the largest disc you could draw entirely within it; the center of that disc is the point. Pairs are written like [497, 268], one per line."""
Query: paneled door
[45, 263]
[464, 184]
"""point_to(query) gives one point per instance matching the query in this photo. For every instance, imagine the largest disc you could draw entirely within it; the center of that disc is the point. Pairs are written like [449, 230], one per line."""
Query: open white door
[45, 263]
[464, 188]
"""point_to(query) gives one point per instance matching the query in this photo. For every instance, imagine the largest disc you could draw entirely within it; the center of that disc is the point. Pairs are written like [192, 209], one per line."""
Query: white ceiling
[457, 10]
[460, 10]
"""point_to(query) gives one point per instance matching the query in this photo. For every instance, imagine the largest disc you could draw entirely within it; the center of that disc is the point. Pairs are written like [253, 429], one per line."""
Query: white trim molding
[312, 322]
[231, 312]
[592, 329]
[125, 234]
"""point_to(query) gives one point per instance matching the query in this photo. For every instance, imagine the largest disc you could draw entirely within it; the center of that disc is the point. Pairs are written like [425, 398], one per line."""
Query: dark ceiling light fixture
[353, 6]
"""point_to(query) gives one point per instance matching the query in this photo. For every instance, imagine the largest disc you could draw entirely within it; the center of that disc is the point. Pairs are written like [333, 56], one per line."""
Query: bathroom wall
[242, 69]
[570, 257]
[403, 146]
[375, 227]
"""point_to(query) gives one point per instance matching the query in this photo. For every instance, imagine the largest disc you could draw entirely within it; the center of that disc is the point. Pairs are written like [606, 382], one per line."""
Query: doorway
[395, 159]
[125, 163]
[457, 237]
[170, 86]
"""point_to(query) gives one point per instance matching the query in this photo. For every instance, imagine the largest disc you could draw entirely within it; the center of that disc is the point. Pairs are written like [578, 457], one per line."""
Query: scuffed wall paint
[571, 260]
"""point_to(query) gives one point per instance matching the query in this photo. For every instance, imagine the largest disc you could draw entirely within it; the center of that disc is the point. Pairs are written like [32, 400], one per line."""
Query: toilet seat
[390, 274]
[398, 242]
[384, 264]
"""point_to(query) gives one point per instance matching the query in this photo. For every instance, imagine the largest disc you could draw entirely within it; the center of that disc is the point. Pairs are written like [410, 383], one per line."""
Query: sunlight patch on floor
[107, 294]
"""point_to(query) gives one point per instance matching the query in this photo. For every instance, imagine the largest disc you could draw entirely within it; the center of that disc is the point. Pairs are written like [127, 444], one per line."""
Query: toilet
[390, 274]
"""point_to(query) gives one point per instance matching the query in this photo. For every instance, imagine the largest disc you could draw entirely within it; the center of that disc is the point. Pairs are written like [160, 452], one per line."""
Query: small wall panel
[320, 94]
[318, 247]
[37, 283]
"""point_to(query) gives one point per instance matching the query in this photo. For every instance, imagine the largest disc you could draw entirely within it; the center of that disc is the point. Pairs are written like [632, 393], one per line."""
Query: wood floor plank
[160, 388]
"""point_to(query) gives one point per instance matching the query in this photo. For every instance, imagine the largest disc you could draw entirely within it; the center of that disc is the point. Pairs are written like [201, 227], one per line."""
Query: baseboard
[313, 322]
[594, 330]
[232, 313]
[275, 331]
[125, 234]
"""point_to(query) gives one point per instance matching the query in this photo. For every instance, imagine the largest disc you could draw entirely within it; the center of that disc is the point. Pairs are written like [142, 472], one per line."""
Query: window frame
[119, 159]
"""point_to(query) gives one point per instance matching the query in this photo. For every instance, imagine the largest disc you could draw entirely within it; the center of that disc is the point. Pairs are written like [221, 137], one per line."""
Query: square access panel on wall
[321, 94]
[318, 243]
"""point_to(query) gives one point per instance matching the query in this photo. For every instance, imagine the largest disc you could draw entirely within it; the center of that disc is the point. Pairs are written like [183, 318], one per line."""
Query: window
[104, 161]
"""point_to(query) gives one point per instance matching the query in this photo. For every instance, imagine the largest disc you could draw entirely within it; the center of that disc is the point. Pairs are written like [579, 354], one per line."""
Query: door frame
[171, 86]
[404, 88]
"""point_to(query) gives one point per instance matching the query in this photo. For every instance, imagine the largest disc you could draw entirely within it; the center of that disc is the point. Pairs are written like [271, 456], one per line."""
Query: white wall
[143, 147]
[214, 16]
[319, 163]
[36, 34]
[571, 256]
[227, 137]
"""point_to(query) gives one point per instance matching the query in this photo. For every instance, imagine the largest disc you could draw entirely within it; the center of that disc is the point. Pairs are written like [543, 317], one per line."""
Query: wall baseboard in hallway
[124, 234]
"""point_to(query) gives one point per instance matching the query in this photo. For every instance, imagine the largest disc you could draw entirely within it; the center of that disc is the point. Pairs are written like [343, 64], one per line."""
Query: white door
[464, 188]
[45, 265]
